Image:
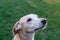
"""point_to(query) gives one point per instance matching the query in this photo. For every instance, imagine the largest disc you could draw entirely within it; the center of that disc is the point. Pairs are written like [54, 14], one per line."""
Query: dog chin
[43, 27]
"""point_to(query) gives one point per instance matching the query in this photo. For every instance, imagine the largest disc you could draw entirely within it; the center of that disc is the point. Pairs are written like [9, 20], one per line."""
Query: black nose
[43, 21]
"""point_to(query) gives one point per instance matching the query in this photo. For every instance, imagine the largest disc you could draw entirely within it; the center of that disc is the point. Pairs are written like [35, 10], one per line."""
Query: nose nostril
[43, 21]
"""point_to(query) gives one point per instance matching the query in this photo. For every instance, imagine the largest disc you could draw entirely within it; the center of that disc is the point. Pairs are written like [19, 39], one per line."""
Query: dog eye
[28, 20]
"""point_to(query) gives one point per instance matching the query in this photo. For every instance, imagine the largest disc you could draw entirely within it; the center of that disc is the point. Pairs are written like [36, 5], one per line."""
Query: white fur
[28, 28]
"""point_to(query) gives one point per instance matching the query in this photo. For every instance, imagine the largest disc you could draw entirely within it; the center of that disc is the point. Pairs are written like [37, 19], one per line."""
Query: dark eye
[28, 20]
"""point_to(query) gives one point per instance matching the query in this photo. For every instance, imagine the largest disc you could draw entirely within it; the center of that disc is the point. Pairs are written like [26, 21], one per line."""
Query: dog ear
[16, 28]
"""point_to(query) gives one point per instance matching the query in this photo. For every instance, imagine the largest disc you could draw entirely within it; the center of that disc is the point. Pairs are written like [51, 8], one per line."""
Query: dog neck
[26, 36]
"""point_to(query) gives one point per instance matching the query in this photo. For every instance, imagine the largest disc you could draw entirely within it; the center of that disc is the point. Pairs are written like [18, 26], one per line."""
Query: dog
[26, 27]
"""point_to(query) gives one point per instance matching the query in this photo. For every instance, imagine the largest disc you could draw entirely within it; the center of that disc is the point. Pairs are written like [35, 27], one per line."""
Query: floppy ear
[16, 28]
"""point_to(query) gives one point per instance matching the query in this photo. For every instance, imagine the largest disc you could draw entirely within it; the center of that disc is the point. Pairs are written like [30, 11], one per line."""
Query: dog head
[30, 23]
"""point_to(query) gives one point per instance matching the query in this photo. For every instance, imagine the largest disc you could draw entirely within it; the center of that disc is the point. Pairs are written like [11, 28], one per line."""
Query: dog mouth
[39, 28]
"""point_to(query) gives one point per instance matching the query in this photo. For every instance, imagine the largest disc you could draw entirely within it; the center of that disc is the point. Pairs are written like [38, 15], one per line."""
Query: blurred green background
[12, 10]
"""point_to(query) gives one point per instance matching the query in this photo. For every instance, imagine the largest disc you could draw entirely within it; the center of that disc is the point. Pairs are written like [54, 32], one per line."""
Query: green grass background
[12, 10]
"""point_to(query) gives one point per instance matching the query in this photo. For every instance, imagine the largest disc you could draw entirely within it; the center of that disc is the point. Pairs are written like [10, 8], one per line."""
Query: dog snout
[44, 21]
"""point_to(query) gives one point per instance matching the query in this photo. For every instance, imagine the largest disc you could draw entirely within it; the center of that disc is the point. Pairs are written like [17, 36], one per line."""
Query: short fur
[25, 28]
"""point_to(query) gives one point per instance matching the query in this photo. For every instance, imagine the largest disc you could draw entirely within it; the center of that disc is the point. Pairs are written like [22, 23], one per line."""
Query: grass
[12, 10]
[52, 1]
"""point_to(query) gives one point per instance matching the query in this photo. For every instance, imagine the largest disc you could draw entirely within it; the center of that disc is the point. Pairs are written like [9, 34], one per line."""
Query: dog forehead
[33, 16]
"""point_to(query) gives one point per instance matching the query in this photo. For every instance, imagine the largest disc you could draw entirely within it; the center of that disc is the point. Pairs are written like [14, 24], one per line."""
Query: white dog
[25, 28]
